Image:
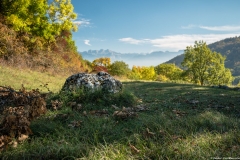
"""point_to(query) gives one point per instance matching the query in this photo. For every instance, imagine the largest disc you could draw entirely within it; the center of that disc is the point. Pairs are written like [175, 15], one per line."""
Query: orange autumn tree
[101, 64]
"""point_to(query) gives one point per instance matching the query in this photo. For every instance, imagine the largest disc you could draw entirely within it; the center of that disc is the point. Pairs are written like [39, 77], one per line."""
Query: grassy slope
[182, 130]
[30, 79]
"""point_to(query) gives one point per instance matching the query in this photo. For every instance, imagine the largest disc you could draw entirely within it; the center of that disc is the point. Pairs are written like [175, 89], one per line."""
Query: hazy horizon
[151, 59]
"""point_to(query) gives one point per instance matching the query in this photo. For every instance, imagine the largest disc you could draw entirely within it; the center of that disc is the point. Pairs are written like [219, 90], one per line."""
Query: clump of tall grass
[97, 99]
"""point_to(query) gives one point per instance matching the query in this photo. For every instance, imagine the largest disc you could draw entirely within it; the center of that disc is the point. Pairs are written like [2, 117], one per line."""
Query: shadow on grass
[184, 122]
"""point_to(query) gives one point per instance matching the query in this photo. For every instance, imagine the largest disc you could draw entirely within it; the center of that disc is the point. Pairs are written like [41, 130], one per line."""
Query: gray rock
[101, 80]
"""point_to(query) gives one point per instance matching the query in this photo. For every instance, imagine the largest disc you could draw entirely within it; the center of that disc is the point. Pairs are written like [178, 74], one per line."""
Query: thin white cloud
[214, 28]
[221, 28]
[190, 26]
[87, 42]
[179, 42]
[131, 40]
[82, 22]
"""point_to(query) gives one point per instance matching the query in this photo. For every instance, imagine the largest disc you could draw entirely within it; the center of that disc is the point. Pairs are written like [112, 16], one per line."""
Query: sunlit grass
[186, 121]
[30, 79]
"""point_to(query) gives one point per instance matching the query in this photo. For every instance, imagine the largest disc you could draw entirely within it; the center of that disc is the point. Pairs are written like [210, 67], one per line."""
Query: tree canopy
[38, 18]
[205, 66]
[169, 71]
[103, 61]
[38, 34]
[143, 73]
[119, 68]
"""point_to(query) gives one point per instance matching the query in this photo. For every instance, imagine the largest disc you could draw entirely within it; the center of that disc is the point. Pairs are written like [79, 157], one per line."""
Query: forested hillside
[38, 35]
[229, 47]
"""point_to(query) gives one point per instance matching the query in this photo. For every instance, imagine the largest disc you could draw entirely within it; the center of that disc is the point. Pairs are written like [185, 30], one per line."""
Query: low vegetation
[157, 121]
[146, 120]
[201, 66]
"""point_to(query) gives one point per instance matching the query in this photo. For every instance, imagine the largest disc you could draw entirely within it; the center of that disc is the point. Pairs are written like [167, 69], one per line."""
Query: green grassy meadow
[183, 121]
[30, 79]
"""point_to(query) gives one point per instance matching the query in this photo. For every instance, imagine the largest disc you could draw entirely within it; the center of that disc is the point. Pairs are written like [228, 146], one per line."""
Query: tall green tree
[218, 74]
[205, 66]
[61, 13]
[119, 68]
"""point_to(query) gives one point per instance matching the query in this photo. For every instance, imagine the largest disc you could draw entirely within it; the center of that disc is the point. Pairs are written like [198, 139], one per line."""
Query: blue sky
[143, 26]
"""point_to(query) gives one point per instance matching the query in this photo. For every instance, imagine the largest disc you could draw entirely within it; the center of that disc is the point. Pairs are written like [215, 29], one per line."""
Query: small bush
[96, 99]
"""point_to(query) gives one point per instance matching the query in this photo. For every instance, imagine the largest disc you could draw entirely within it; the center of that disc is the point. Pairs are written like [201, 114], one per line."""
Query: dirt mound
[18, 108]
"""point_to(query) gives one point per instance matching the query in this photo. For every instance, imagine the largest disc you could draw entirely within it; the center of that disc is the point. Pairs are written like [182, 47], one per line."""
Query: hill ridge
[229, 47]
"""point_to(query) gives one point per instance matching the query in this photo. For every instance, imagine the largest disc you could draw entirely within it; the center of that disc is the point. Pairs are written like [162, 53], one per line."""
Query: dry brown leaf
[162, 132]
[193, 102]
[115, 107]
[179, 113]
[140, 108]
[4, 142]
[92, 112]
[71, 125]
[235, 148]
[62, 142]
[124, 114]
[62, 116]
[99, 112]
[15, 144]
[74, 105]
[11, 119]
[176, 137]
[133, 149]
[148, 134]
[79, 107]
[120, 114]
[128, 109]
[139, 100]
[75, 124]
[22, 137]
[56, 105]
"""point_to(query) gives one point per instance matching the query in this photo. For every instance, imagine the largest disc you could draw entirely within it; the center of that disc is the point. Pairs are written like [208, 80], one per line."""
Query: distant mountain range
[229, 47]
[137, 59]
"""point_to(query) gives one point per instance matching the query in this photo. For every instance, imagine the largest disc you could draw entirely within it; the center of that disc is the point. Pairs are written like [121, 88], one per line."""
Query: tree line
[201, 66]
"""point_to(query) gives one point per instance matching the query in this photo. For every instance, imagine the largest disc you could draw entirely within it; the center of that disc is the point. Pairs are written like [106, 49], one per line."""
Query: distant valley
[137, 59]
